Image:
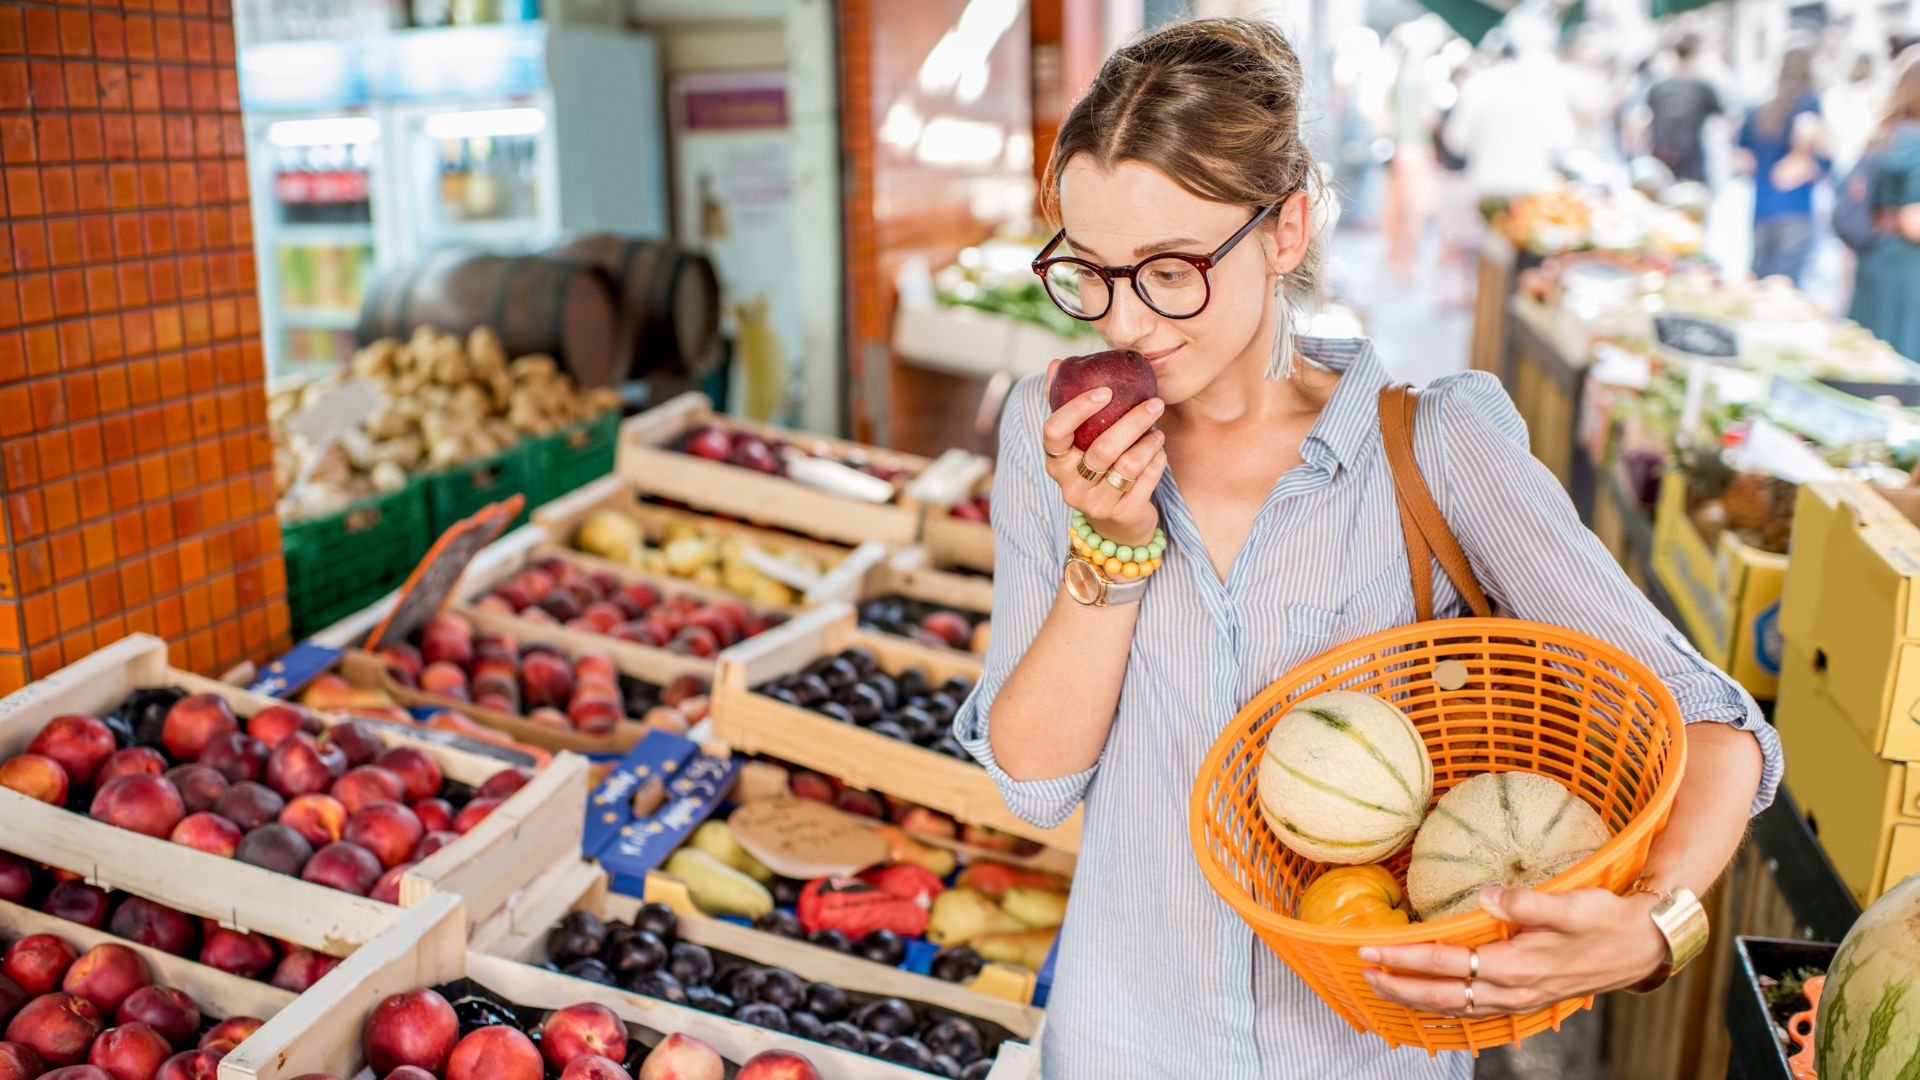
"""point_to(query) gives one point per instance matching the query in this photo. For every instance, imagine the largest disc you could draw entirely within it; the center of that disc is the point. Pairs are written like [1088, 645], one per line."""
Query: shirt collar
[1348, 420]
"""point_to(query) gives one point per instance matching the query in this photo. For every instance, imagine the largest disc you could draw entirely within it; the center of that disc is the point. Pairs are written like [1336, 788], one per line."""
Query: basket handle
[1428, 537]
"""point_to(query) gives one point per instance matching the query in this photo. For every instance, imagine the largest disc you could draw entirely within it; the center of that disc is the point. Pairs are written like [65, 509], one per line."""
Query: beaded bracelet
[1117, 561]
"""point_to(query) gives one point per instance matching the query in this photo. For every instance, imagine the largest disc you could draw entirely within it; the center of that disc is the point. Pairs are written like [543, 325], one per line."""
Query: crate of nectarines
[262, 815]
[958, 533]
[907, 596]
[872, 709]
[418, 998]
[830, 488]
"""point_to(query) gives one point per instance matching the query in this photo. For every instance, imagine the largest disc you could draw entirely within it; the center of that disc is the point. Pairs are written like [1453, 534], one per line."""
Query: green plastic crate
[572, 458]
[340, 563]
[456, 494]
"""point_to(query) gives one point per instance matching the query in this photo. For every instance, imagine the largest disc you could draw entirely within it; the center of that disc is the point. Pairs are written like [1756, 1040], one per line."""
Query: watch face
[1083, 583]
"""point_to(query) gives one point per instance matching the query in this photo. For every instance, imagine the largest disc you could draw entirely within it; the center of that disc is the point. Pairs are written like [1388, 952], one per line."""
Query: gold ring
[1118, 483]
[1473, 961]
[1089, 475]
[1051, 454]
[1468, 985]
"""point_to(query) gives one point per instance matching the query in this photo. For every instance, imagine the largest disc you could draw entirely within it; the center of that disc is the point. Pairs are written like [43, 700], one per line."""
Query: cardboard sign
[693, 784]
[801, 838]
[432, 582]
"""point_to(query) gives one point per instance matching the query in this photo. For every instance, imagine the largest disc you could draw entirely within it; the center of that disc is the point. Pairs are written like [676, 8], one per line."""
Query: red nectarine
[495, 1052]
[415, 1028]
[130, 1052]
[142, 803]
[193, 722]
[57, 1027]
[36, 776]
[79, 743]
[164, 1009]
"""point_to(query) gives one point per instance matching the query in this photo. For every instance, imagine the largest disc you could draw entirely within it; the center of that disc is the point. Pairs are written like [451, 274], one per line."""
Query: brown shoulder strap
[1427, 535]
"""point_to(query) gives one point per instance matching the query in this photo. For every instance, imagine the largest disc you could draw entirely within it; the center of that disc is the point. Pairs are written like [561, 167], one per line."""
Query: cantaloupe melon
[1345, 779]
[1510, 829]
[1869, 1023]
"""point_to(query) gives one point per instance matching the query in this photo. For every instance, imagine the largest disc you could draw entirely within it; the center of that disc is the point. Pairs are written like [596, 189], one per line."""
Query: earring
[1280, 360]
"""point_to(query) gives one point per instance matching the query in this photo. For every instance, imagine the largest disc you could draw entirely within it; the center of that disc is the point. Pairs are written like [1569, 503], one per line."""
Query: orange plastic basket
[1535, 698]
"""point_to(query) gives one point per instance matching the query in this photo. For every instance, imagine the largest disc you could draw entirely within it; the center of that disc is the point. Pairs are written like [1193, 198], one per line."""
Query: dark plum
[661, 985]
[827, 1001]
[845, 1036]
[804, 1024]
[864, 704]
[641, 954]
[780, 987]
[764, 1015]
[786, 891]
[780, 922]
[592, 970]
[957, 964]
[691, 964]
[882, 947]
[906, 1050]
[888, 1016]
[833, 710]
[831, 939]
[954, 1036]
[863, 661]
[945, 1065]
[657, 919]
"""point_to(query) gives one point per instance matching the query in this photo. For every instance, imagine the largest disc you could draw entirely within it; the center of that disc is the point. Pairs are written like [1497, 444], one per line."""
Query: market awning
[1662, 8]
[1471, 19]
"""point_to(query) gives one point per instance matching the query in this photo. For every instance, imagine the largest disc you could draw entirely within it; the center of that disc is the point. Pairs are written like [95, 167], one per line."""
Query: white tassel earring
[1280, 361]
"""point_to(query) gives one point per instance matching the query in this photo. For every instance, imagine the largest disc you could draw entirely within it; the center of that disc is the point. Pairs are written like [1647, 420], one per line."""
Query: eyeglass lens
[1172, 286]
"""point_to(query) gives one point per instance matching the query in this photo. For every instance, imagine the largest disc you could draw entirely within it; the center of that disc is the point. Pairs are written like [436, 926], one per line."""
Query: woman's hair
[1215, 105]
[1903, 100]
[1796, 82]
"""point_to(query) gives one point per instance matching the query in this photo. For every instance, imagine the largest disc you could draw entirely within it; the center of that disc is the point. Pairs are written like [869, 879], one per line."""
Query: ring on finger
[1091, 476]
[1473, 961]
[1467, 985]
[1118, 483]
[1056, 453]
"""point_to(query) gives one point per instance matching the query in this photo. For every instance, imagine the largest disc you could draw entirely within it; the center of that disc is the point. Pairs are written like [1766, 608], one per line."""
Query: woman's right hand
[1130, 449]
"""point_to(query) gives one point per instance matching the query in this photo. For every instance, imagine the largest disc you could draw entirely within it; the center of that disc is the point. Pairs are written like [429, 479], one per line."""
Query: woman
[1886, 287]
[1782, 144]
[1262, 462]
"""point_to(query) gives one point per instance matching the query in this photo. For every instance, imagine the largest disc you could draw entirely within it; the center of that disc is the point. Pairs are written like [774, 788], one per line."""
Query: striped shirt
[1156, 976]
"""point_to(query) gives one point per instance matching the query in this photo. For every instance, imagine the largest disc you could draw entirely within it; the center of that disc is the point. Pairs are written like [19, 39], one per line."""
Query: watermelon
[1509, 829]
[1345, 778]
[1869, 1021]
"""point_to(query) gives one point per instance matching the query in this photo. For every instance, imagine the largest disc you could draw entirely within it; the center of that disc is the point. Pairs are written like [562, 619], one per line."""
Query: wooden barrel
[670, 297]
[565, 309]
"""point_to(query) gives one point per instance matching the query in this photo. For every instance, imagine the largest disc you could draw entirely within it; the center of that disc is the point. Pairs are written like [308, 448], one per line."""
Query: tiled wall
[135, 461]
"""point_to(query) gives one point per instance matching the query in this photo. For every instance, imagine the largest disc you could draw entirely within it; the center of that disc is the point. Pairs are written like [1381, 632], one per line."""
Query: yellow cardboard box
[1851, 612]
[1728, 594]
[1865, 809]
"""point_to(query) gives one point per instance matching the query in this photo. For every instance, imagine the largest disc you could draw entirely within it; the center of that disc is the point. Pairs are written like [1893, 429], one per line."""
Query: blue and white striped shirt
[1156, 976]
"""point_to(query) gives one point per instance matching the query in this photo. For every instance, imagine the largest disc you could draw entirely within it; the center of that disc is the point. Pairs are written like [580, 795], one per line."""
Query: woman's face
[1123, 215]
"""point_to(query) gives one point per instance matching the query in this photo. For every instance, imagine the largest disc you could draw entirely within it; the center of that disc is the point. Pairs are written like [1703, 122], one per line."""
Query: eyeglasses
[1173, 284]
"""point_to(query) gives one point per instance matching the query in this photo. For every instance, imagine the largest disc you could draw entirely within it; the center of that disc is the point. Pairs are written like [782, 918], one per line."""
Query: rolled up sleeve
[1030, 546]
[1538, 561]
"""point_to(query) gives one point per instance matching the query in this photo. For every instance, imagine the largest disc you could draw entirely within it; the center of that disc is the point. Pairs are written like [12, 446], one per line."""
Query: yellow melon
[1510, 829]
[1345, 778]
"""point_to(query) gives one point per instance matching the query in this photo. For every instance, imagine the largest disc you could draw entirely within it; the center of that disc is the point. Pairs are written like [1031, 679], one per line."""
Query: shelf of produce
[911, 573]
[1727, 592]
[521, 935]
[1756, 1052]
[752, 722]
[321, 1032]
[649, 454]
[249, 897]
[846, 567]
[1546, 384]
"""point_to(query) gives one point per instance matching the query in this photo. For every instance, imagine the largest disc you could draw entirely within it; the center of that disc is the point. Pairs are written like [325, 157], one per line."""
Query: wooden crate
[952, 541]
[755, 723]
[428, 947]
[647, 455]
[521, 935]
[249, 897]
[562, 517]
[1494, 284]
[911, 572]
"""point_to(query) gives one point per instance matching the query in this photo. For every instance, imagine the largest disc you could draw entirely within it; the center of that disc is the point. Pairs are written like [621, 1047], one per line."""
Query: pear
[719, 889]
[960, 915]
[1027, 948]
[1037, 908]
[716, 839]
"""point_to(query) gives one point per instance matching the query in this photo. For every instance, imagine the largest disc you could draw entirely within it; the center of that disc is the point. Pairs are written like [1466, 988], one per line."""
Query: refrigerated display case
[369, 155]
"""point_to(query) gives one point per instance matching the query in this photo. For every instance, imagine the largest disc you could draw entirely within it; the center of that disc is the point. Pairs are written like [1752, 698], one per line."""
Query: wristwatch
[1087, 585]
[1683, 922]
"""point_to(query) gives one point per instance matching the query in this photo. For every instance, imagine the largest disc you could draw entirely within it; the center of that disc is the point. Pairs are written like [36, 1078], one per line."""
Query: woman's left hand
[1572, 944]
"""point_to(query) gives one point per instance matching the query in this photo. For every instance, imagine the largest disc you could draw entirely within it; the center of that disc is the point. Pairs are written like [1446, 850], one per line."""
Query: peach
[580, 1030]
[57, 1027]
[208, 832]
[505, 782]
[16, 875]
[546, 679]
[433, 842]
[145, 804]
[682, 1057]
[416, 1028]
[720, 626]
[446, 650]
[495, 1052]
[416, 769]
[247, 955]
[359, 742]
[950, 626]
[36, 776]
[301, 968]
[473, 814]
[387, 889]
[275, 722]
[436, 815]
[193, 722]
[344, 866]
[365, 785]
[777, 1065]
[319, 818]
[19, 1063]
[387, 829]
[162, 1008]
[77, 901]
[200, 787]
[594, 715]
[157, 926]
[546, 716]
[229, 1033]
[403, 663]
[236, 756]
[641, 593]
[37, 963]
[445, 679]
[594, 1067]
[498, 703]
[695, 641]
[130, 1052]
[449, 624]
[191, 1065]
[81, 744]
[275, 847]
[134, 759]
[296, 767]
[106, 974]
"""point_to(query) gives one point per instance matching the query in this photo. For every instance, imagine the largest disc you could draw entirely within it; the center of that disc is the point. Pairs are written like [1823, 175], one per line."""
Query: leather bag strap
[1427, 535]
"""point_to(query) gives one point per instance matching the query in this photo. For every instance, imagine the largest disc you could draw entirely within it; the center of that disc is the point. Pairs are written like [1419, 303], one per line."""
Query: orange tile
[13, 32]
[105, 330]
[70, 605]
[44, 661]
[17, 145]
[159, 521]
[36, 298]
[76, 33]
[102, 293]
[76, 647]
[13, 357]
[208, 463]
[123, 486]
[13, 674]
[133, 284]
[181, 471]
[43, 350]
[197, 600]
[187, 514]
[69, 555]
[83, 86]
[177, 418]
[87, 451]
[168, 334]
[49, 84]
[226, 639]
[234, 453]
[96, 230]
[177, 655]
[37, 618]
[140, 620]
[164, 569]
[193, 560]
[63, 504]
[215, 507]
[115, 94]
[63, 243]
[134, 587]
[108, 630]
[200, 377]
[21, 464]
[128, 538]
[30, 250]
[76, 351]
[109, 34]
[10, 626]
[278, 625]
[128, 240]
[98, 539]
[16, 411]
[275, 573]
[43, 31]
[153, 477]
[36, 568]
[88, 137]
[220, 548]
[148, 434]
[138, 326]
[95, 503]
[111, 389]
[205, 410]
[56, 458]
[49, 402]
[14, 86]
[103, 589]
[116, 438]
[253, 628]
[224, 597]
[246, 543]
[200, 651]
[143, 381]
[23, 192]
[69, 293]
[83, 399]
[57, 191]
[26, 516]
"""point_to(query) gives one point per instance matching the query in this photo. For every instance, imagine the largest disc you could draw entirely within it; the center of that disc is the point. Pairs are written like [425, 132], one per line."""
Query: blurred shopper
[1679, 107]
[1782, 143]
[1512, 123]
[1886, 291]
